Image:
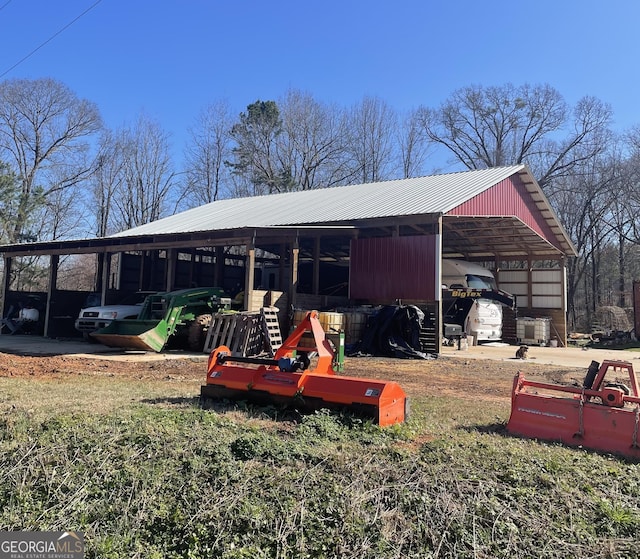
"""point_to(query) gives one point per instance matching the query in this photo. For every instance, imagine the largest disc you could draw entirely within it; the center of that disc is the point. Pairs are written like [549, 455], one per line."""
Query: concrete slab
[40, 346]
[563, 356]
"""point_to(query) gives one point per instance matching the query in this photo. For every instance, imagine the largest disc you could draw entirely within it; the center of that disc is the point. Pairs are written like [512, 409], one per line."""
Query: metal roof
[435, 194]
[338, 214]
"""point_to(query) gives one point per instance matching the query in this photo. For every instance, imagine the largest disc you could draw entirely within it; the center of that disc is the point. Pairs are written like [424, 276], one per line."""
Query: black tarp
[394, 331]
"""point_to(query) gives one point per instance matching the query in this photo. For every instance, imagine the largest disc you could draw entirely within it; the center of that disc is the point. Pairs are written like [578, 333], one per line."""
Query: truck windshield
[481, 282]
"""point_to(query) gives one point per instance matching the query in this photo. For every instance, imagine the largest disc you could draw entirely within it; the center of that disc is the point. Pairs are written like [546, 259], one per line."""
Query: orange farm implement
[289, 378]
[601, 415]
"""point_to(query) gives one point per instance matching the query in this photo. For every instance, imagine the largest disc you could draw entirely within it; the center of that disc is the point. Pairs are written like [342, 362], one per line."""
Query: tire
[197, 334]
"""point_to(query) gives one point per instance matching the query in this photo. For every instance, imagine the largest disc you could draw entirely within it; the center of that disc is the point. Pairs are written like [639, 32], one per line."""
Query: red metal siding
[507, 198]
[390, 268]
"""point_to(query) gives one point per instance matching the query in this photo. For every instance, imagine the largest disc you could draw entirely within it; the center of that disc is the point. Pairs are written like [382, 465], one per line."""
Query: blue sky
[170, 58]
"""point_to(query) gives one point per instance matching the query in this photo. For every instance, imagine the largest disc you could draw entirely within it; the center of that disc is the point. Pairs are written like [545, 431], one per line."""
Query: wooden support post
[316, 267]
[293, 285]
[170, 269]
[51, 289]
[106, 272]
[6, 282]
[529, 283]
[218, 270]
[438, 291]
[192, 268]
[249, 275]
[564, 336]
[98, 279]
[141, 281]
[282, 267]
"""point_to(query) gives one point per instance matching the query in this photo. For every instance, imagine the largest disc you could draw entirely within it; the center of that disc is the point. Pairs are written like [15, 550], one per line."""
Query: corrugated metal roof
[406, 197]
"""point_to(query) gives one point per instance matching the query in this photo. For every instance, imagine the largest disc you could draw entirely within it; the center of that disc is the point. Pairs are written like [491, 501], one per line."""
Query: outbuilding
[367, 244]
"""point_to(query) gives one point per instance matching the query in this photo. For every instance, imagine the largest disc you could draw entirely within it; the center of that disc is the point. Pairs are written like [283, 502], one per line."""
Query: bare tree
[312, 142]
[44, 133]
[413, 145]
[496, 126]
[207, 175]
[147, 175]
[584, 201]
[372, 125]
[105, 182]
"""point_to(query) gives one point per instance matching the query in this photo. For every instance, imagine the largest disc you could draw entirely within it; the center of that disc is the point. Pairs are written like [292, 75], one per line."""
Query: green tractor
[175, 319]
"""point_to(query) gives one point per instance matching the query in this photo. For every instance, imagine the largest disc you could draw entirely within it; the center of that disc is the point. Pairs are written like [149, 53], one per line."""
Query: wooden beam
[293, 286]
[249, 275]
[6, 282]
[51, 289]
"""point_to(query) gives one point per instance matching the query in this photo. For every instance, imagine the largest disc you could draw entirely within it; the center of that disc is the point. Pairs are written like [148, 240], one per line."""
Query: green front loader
[172, 319]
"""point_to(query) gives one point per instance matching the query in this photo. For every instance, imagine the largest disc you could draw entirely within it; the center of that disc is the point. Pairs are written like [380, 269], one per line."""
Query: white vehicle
[478, 317]
[94, 318]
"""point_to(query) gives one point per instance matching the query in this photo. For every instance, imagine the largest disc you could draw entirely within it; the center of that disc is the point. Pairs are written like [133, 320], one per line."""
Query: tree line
[64, 174]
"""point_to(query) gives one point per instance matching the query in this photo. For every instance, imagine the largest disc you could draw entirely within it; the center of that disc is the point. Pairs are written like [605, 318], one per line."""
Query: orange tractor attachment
[290, 379]
[600, 415]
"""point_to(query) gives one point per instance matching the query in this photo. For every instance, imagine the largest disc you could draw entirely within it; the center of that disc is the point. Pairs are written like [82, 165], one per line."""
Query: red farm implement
[289, 378]
[602, 415]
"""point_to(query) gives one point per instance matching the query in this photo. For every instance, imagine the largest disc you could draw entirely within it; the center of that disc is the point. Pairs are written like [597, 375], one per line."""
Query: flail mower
[290, 379]
[601, 415]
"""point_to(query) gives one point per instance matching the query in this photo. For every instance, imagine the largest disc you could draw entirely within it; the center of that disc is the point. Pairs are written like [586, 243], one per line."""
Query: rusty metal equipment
[302, 376]
[602, 415]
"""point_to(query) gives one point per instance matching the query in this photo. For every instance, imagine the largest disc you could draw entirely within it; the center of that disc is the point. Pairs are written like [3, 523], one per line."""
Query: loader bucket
[288, 379]
[147, 335]
[603, 417]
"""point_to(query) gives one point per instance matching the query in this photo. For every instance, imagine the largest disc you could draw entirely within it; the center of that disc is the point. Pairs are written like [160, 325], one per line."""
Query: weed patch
[156, 478]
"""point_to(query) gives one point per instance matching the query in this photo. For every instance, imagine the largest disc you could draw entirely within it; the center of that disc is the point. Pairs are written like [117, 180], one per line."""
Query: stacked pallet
[245, 333]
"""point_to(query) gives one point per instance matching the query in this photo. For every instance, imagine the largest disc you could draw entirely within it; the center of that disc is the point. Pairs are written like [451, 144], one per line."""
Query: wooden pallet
[242, 333]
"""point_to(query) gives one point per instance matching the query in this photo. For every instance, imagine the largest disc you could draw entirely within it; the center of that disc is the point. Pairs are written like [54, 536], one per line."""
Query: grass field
[143, 472]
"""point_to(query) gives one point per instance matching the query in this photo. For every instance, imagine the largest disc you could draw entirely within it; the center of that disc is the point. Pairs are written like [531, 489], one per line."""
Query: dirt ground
[465, 375]
[478, 372]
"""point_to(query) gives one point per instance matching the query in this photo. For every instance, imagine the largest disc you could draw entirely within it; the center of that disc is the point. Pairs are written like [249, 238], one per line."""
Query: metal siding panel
[546, 275]
[390, 268]
[515, 288]
[513, 275]
[546, 302]
[509, 197]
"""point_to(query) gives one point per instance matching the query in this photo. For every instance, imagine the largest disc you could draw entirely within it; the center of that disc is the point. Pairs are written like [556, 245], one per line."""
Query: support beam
[293, 285]
[6, 282]
[282, 267]
[51, 289]
[170, 271]
[192, 267]
[99, 278]
[316, 266]
[529, 283]
[249, 274]
[218, 270]
[106, 273]
[438, 283]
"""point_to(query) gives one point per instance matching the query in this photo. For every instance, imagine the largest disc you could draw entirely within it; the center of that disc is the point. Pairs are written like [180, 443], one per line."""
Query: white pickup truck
[93, 318]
